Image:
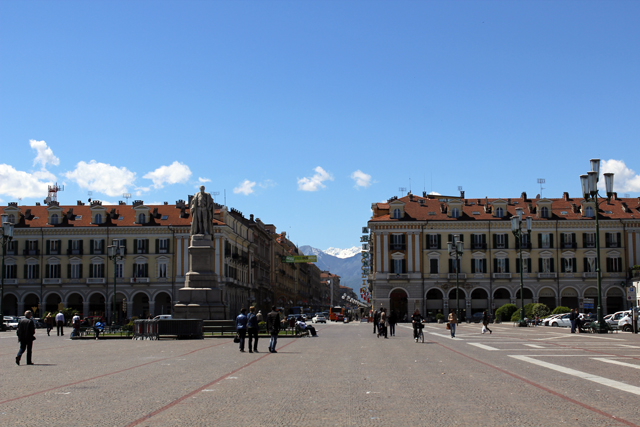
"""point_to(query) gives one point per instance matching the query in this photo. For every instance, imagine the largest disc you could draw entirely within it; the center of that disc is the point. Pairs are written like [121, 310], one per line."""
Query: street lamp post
[455, 249]
[589, 183]
[516, 228]
[7, 236]
[115, 252]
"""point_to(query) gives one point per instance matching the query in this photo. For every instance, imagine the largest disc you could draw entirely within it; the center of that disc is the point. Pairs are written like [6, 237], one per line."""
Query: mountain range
[346, 263]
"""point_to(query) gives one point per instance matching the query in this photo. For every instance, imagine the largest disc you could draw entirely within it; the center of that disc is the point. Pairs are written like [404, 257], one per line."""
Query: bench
[302, 333]
[219, 327]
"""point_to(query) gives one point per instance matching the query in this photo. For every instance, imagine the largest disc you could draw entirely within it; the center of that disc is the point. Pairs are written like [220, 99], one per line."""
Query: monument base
[200, 298]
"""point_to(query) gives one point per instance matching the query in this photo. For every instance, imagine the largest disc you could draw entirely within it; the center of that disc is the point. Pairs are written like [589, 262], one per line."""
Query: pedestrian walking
[382, 328]
[26, 336]
[393, 319]
[572, 319]
[453, 321]
[241, 327]
[60, 323]
[376, 320]
[48, 321]
[252, 329]
[273, 326]
[485, 323]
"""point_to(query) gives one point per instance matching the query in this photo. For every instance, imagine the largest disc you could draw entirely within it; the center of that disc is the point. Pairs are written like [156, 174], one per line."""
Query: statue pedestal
[200, 298]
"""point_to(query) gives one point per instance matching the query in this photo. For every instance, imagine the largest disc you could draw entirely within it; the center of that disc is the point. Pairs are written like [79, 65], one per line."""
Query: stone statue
[202, 209]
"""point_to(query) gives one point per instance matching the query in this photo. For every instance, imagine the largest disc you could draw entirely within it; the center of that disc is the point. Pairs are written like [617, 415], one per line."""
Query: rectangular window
[568, 240]
[140, 270]
[589, 240]
[97, 270]
[501, 265]
[614, 265]
[590, 265]
[142, 247]
[76, 271]
[478, 265]
[53, 271]
[120, 270]
[32, 245]
[454, 266]
[433, 241]
[398, 266]
[569, 265]
[500, 241]
[163, 246]
[162, 271]
[98, 246]
[10, 272]
[11, 247]
[525, 241]
[433, 266]
[546, 265]
[54, 247]
[612, 240]
[525, 265]
[479, 241]
[397, 242]
[33, 271]
[546, 242]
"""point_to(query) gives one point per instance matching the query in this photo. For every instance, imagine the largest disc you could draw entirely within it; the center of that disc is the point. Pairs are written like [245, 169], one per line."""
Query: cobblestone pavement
[345, 377]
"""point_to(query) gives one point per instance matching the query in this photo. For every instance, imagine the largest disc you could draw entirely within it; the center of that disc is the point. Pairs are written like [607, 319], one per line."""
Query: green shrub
[439, 316]
[505, 312]
[515, 317]
[560, 310]
[540, 310]
[262, 326]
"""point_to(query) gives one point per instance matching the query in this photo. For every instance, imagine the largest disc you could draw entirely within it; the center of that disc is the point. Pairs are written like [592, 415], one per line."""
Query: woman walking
[241, 327]
[453, 320]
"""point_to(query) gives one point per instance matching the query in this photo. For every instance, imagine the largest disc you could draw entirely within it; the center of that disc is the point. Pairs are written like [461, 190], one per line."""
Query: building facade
[413, 269]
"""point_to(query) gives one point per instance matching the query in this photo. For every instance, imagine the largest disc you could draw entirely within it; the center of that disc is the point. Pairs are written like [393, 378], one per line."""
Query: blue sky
[305, 113]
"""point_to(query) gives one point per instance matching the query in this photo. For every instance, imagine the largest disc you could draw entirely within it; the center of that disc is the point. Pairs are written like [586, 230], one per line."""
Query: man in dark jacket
[26, 335]
[273, 326]
[376, 319]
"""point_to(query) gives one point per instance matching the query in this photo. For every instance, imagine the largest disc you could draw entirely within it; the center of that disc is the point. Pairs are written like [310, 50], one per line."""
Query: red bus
[334, 311]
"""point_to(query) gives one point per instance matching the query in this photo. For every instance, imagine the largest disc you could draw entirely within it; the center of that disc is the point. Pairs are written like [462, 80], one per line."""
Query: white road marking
[482, 346]
[583, 375]
[534, 345]
[617, 362]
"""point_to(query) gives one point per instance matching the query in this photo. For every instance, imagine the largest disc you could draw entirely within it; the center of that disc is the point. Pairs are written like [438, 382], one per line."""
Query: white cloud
[175, 173]
[267, 184]
[316, 181]
[16, 184]
[203, 180]
[624, 179]
[102, 177]
[362, 179]
[246, 187]
[435, 193]
[45, 154]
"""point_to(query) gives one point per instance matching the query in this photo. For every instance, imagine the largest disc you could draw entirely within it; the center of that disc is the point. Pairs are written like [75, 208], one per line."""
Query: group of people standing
[248, 324]
[383, 323]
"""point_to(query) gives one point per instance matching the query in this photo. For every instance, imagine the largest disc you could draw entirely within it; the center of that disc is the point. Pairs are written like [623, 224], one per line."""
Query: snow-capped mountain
[339, 262]
[343, 253]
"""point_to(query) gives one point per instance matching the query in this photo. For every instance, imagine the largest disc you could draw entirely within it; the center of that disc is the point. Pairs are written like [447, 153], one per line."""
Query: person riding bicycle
[416, 320]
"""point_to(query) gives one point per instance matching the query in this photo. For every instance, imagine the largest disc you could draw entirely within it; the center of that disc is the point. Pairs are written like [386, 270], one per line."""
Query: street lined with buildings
[345, 377]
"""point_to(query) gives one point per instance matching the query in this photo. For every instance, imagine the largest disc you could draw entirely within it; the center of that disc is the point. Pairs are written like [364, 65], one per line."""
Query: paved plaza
[345, 377]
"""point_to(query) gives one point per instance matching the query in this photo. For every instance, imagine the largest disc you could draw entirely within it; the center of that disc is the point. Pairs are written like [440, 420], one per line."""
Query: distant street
[345, 377]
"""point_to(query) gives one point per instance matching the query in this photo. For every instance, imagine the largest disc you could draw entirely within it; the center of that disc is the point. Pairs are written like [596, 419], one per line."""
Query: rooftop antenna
[53, 193]
[126, 196]
[541, 181]
[626, 195]
[402, 190]
[19, 200]
[225, 197]
[215, 193]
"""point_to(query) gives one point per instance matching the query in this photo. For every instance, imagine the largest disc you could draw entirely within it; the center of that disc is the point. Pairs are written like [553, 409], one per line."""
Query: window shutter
[91, 267]
[584, 240]
[146, 270]
[506, 241]
[70, 246]
[462, 237]
[619, 265]
[123, 244]
[495, 265]
[608, 265]
[484, 265]
[562, 266]
[68, 271]
[484, 240]
[540, 240]
[439, 241]
[135, 246]
[450, 238]
[392, 266]
[561, 240]
[619, 241]
[403, 239]
[80, 243]
[80, 275]
[157, 246]
[451, 264]
[46, 271]
[404, 266]
[48, 246]
[517, 265]
[37, 271]
[91, 247]
[506, 265]
[552, 262]
[573, 240]
[146, 246]
[540, 265]
[606, 239]
[551, 240]
[168, 246]
[26, 271]
[495, 241]
[473, 266]
[101, 270]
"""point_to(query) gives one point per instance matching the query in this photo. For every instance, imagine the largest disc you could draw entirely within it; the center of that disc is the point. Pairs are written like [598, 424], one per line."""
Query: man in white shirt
[303, 326]
[75, 323]
[60, 323]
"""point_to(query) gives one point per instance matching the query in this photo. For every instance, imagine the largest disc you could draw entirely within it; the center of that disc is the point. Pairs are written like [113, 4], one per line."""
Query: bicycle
[419, 335]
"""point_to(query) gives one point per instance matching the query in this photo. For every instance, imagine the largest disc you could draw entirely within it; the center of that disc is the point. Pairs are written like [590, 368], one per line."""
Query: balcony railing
[139, 280]
[398, 276]
[547, 275]
[589, 275]
[590, 244]
[432, 245]
[502, 275]
[52, 281]
[397, 246]
[74, 252]
[10, 281]
[525, 246]
[460, 275]
[95, 280]
[27, 252]
[479, 246]
[569, 245]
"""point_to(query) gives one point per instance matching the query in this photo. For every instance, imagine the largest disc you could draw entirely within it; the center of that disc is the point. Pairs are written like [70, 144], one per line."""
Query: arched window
[98, 219]
[396, 214]
[54, 219]
[141, 219]
[455, 213]
[544, 212]
[499, 212]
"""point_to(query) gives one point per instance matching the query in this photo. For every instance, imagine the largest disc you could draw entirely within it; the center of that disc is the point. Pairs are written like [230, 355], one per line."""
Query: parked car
[11, 322]
[614, 318]
[162, 317]
[546, 320]
[561, 321]
[319, 318]
[626, 324]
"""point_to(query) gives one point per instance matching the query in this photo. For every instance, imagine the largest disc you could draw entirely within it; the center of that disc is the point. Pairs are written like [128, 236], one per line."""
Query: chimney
[251, 217]
[523, 196]
[462, 194]
[80, 203]
[565, 196]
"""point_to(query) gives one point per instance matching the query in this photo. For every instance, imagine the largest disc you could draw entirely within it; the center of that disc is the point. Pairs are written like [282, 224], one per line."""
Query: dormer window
[589, 212]
[455, 213]
[141, 219]
[544, 212]
[54, 219]
[12, 219]
[98, 219]
[499, 212]
[397, 214]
